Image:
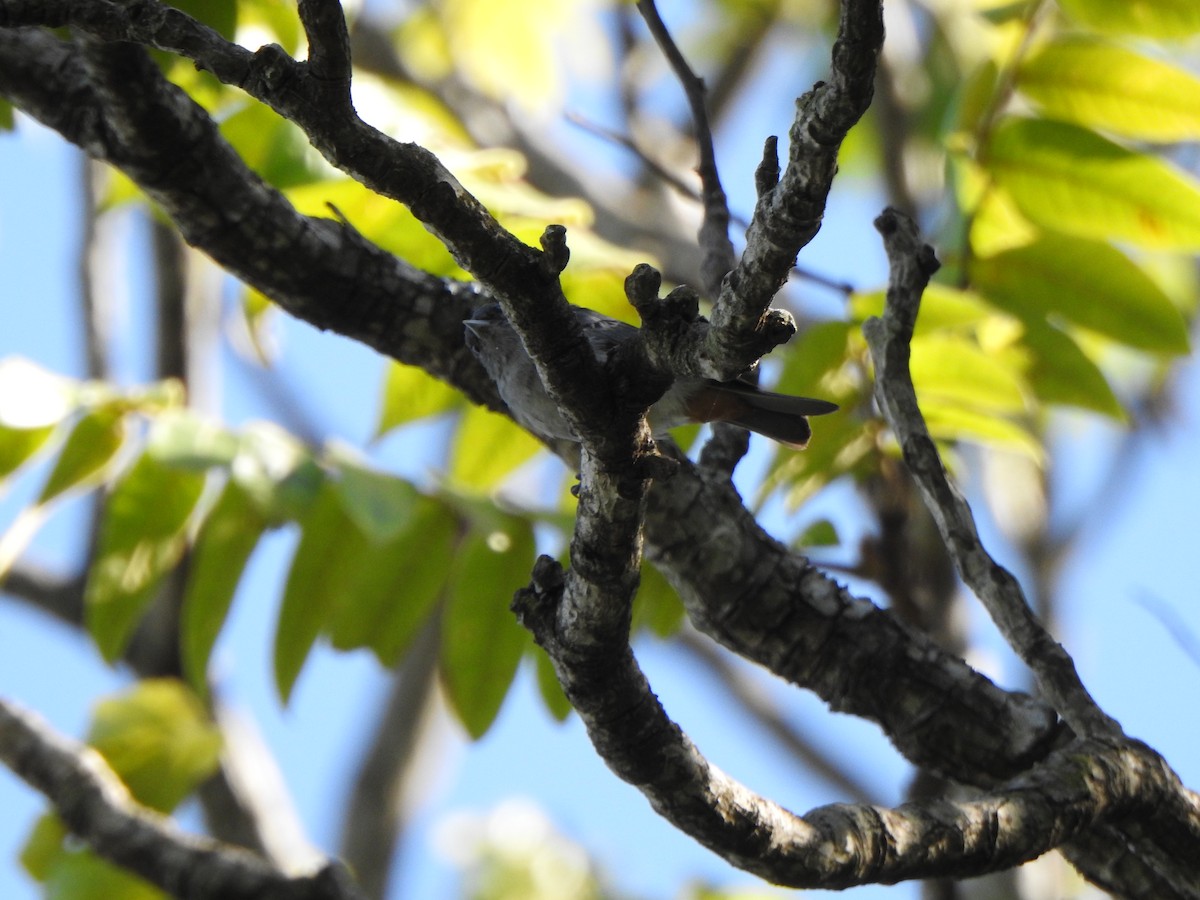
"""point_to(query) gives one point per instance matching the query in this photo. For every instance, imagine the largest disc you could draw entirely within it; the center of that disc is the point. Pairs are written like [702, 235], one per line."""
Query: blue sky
[1133, 664]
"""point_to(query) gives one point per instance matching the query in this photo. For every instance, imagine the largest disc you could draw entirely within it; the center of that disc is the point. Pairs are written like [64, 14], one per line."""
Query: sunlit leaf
[1150, 18]
[481, 640]
[955, 368]
[951, 422]
[509, 50]
[142, 536]
[229, 535]
[18, 445]
[185, 439]
[487, 447]
[87, 451]
[943, 308]
[1086, 282]
[1103, 86]
[329, 553]
[158, 739]
[410, 393]
[273, 146]
[1066, 178]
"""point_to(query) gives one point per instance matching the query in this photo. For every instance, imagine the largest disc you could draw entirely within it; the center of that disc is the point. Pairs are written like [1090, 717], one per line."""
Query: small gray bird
[498, 347]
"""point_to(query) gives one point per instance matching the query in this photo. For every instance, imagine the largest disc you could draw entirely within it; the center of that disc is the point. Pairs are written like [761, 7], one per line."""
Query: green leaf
[273, 146]
[1086, 282]
[821, 533]
[398, 584]
[487, 447]
[81, 875]
[328, 556]
[1149, 18]
[955, 369]
[481, 640]
[1066, 178]
[380, 504]
[1103, 86]
[219, 15]
[158, 740]
[1060, 372]
[810, 358]
[142, 536]
[229, 535]
[550, 690]
[43, 846]
[277, 471]
[87, 451]
[409, 393]
[656, 607]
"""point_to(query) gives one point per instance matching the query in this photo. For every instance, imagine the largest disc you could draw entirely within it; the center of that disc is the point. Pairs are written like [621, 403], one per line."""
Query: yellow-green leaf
[410, 393]
[1086, 282]
[1150, 18]
[481, 640]
[142, 536]
[487, 447]
[81, 875]
[951, 422]
[955, 369]
[1066, 178]
[510, 50]
[228, 537]
[87, 451]
[158, 739]
[1103, 86]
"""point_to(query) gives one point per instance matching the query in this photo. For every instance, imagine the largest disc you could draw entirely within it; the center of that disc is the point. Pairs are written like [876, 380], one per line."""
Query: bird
[497, 346]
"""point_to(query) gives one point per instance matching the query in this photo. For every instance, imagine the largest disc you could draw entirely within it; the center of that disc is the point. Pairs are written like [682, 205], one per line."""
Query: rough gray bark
[1116, 808]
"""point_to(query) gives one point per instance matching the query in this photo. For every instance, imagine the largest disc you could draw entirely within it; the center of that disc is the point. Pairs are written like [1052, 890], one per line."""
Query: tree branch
[97, 808]
[912, 265]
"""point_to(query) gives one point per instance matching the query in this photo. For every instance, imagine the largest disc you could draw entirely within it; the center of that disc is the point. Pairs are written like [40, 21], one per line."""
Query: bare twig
[97, 808]
[912, 265]
[714, 232]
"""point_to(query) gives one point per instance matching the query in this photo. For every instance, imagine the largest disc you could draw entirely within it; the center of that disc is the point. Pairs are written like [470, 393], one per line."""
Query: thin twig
[719, 257]
[912, 264]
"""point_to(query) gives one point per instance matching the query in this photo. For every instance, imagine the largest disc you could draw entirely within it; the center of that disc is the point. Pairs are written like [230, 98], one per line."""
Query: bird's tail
[779, 417]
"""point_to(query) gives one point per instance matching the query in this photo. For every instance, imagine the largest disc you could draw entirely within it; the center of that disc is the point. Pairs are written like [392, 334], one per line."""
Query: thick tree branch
[96, 807]
[770, 604]
[836, 846]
